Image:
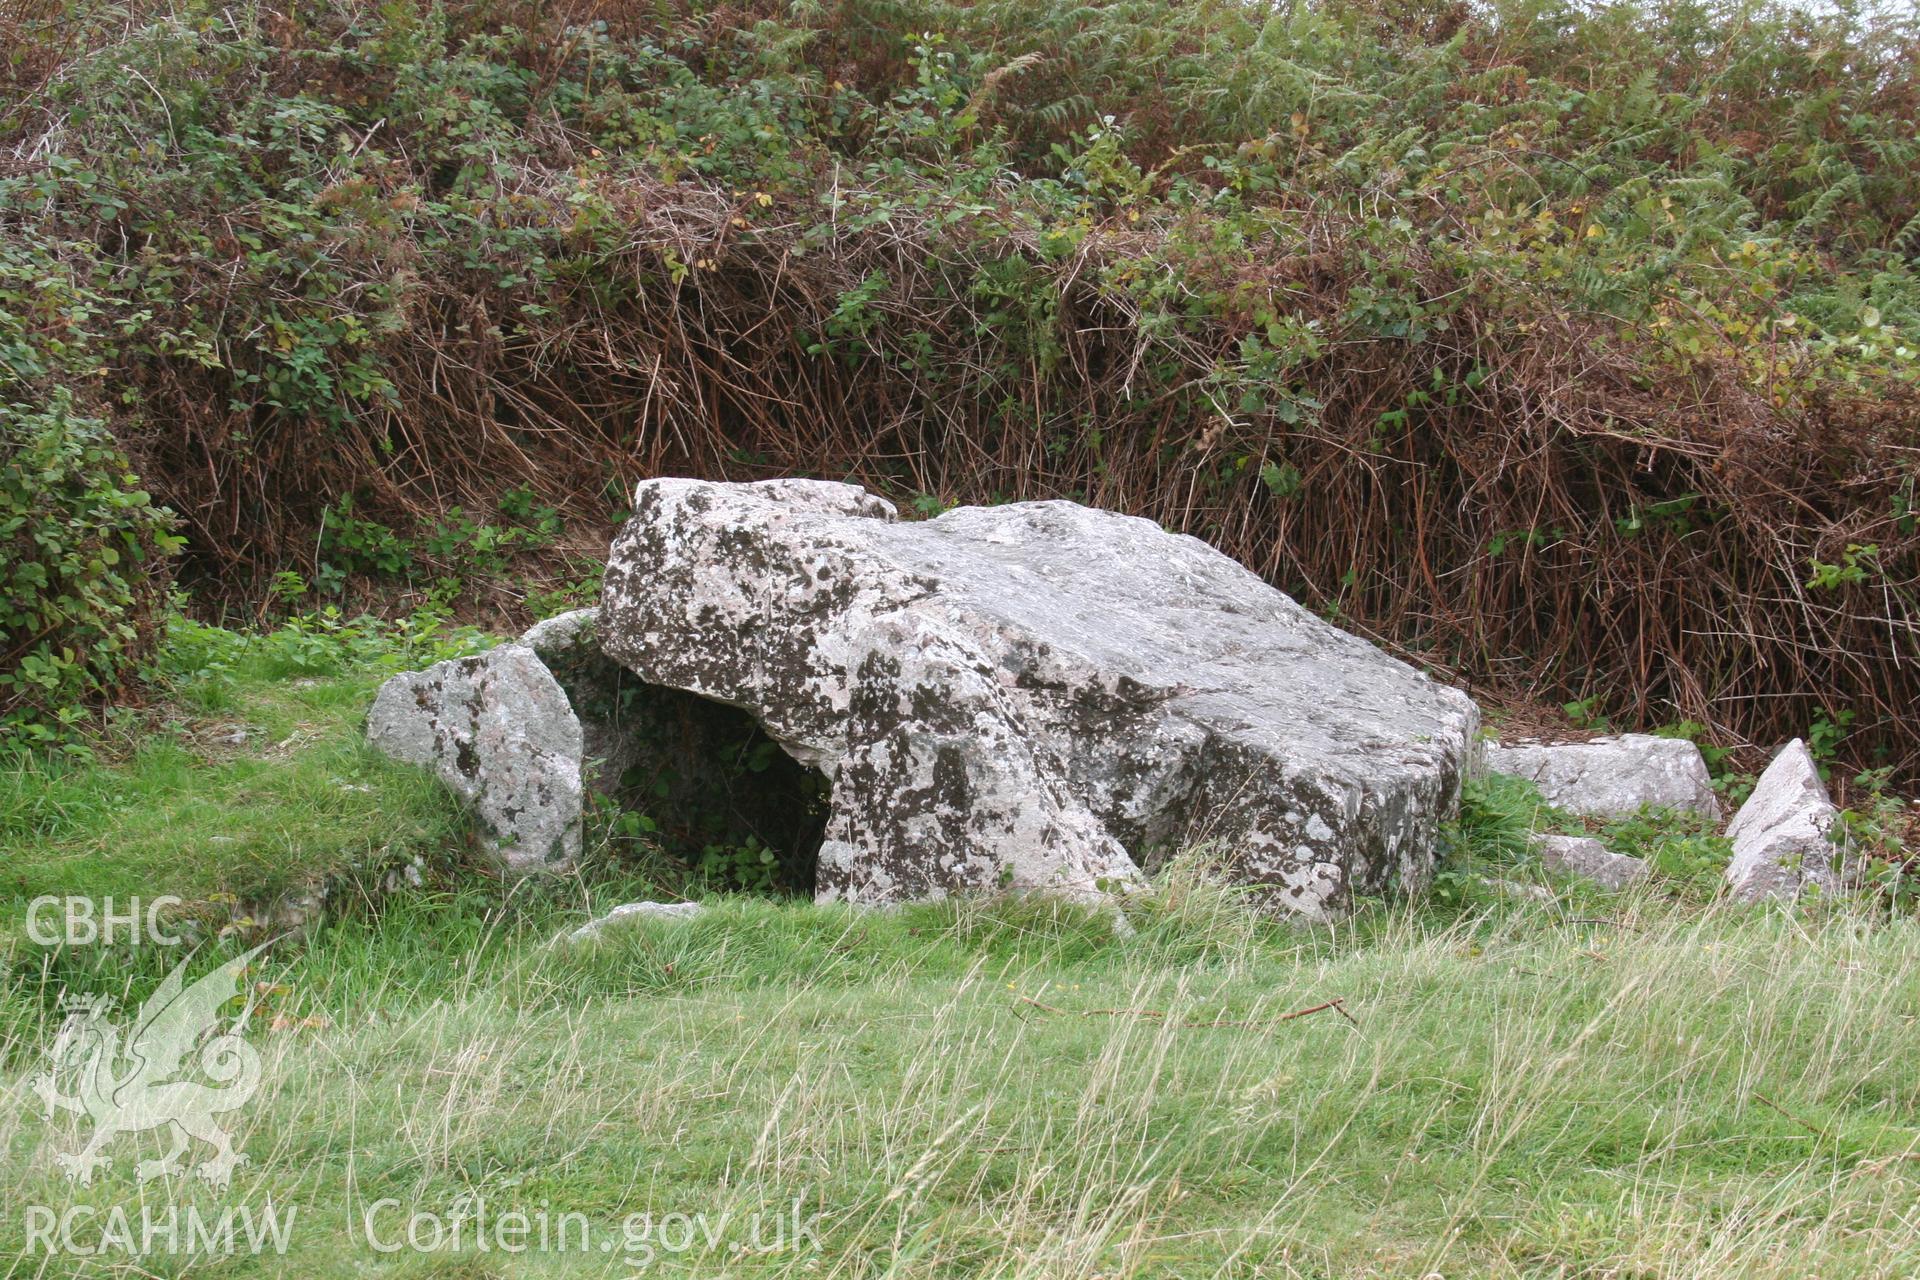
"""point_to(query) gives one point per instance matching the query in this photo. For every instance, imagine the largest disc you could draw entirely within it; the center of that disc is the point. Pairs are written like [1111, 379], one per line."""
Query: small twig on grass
[1338, 1005]
[1769, 1103]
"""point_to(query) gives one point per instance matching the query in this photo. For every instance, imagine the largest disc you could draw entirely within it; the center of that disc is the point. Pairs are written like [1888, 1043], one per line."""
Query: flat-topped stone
[1612, 777]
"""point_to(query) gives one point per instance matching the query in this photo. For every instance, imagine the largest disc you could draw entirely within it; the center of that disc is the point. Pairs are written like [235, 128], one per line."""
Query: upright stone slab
[1783, 835]
[496, 729]
[1037, 695]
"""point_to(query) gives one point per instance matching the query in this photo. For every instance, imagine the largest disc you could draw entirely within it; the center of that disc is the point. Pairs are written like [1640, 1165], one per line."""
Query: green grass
[187, 813]
[1638, 1086]
[182, 810]
[1666, 1092]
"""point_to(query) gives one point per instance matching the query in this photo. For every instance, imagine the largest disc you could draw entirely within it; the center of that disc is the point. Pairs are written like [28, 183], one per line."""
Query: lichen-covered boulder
[498, 730]
[1037, 695]
[1783, 835]
[1612, 777]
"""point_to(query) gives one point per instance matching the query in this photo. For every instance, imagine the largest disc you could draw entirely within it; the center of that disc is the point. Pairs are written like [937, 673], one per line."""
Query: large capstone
[1036, 696]
[498, 730]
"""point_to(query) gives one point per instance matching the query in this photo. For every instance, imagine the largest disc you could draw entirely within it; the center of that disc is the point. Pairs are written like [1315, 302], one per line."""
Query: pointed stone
[1783, 835]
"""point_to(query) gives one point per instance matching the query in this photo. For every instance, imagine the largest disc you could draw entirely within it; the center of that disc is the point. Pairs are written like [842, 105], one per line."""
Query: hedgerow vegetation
[80, 547]
[1569, 346]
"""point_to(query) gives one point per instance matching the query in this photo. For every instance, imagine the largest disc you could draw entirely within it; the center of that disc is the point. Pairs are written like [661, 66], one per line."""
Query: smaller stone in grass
[632, 913]
[1587, 858]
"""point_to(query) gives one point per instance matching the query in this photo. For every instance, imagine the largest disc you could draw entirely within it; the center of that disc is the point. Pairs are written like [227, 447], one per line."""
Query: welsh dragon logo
[124, 1078]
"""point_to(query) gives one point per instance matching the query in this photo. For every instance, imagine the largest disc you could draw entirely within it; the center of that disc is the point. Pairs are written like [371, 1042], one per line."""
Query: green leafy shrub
[324, 643]
[83, 569]
[748, 866]
[1687, 852]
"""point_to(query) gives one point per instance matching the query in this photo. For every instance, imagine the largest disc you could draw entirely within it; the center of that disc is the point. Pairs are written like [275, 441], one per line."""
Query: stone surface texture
[497, 729]
[1587, 858]
[630, 913]
[1612, 777]
[1781, 837]
[568, 645]
[1036, 696]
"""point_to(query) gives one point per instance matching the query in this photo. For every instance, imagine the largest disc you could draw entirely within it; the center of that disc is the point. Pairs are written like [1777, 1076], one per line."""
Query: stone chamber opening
[703, 783]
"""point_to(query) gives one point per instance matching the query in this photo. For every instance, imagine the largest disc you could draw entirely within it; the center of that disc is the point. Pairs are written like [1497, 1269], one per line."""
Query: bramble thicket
[1570, 349]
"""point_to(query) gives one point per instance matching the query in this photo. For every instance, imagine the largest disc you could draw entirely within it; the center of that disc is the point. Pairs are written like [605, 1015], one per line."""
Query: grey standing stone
[1037, 695]
[498, 730]
[1782, 836]
[1612, 777]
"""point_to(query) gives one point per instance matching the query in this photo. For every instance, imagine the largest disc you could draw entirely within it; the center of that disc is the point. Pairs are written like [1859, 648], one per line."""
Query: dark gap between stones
[699, 780]
[720, 795]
